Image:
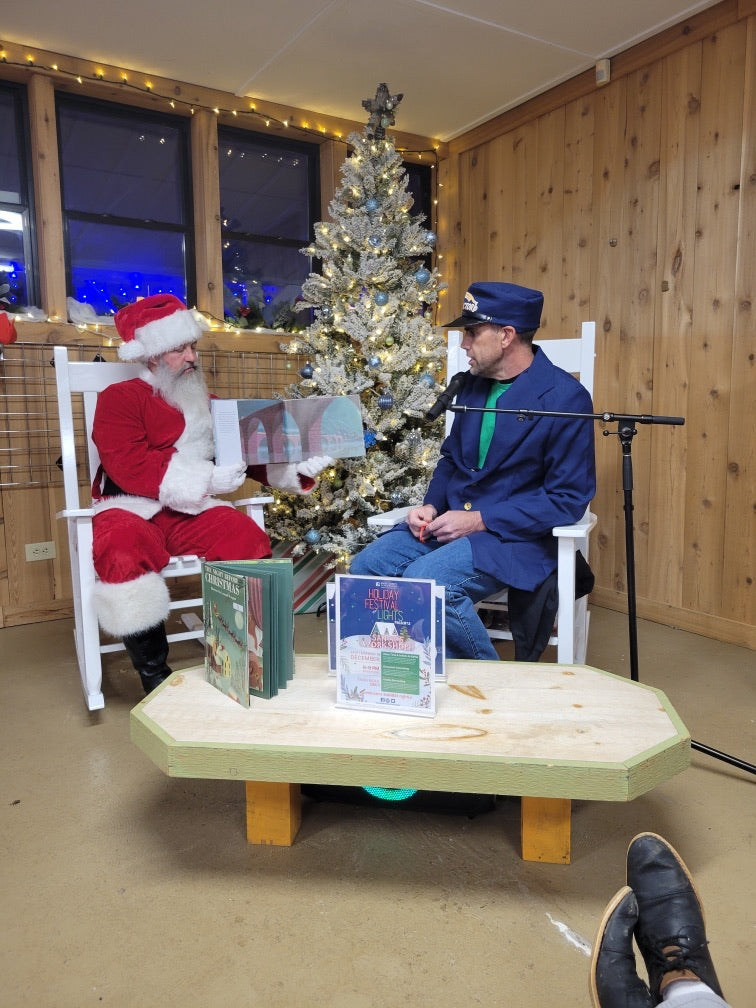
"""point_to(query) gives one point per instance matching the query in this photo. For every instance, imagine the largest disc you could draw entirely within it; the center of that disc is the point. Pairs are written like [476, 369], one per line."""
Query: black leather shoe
[670, 932]
[614, 980]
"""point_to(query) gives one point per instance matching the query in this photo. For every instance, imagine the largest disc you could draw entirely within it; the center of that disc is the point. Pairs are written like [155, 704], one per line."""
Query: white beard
[188, 393]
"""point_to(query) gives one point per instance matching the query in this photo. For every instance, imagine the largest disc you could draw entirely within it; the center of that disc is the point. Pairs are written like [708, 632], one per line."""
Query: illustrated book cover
[385, 640]
[249, 626]
[260, 431]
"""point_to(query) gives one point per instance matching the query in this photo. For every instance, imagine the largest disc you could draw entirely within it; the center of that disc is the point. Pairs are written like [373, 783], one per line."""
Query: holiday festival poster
[385, 640]
[261, 431]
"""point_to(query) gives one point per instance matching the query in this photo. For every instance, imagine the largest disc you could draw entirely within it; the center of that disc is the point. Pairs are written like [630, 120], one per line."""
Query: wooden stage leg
[274, 812]
[545, 829]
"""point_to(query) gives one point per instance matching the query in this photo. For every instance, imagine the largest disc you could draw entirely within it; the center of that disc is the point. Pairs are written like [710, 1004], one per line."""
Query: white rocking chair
[87, 379]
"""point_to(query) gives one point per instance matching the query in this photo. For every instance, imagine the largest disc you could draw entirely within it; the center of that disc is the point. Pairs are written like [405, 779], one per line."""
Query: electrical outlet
[40, 551]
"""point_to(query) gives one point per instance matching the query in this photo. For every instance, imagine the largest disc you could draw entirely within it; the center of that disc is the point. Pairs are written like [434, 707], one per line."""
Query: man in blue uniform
[502, 481]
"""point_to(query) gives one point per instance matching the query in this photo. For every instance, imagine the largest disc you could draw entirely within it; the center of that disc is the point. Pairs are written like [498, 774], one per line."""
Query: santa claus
[154, 494]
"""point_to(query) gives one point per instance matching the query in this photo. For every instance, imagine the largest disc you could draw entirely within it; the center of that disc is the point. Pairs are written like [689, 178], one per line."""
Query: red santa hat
[154, 325]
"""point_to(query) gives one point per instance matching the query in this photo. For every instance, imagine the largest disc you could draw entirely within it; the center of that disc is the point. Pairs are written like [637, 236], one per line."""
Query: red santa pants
[126, 546]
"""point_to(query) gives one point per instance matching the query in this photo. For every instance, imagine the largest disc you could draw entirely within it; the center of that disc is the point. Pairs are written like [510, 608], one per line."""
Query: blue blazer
[538, 473]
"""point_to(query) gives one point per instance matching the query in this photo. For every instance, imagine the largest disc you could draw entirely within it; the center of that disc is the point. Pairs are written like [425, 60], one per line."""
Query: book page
[226, 433]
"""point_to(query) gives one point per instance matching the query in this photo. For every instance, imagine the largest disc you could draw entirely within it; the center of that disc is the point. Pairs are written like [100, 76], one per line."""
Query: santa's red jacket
[154, 456]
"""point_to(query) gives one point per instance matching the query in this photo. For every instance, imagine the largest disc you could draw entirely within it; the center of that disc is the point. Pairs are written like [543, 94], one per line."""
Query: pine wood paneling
[549, 204]
[207, 213]
[738, 590]
[46, 171]
[722, 73]
[606, 302]
[635, 205]
[577, 210]
[681, 89]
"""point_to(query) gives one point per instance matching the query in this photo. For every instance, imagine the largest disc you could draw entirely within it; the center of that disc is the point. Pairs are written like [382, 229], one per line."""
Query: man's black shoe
[670, 932]
[614, 980]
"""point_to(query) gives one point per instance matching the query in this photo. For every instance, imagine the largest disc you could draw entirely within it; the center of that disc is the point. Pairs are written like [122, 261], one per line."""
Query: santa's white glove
[297, 477]
[226, 479]
[314, 466]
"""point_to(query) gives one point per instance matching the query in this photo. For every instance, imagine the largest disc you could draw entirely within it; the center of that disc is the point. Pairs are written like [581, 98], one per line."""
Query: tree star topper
[381, 109]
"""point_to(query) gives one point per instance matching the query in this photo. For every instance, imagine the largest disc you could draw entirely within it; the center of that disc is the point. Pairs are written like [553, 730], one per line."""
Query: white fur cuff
[132, 606]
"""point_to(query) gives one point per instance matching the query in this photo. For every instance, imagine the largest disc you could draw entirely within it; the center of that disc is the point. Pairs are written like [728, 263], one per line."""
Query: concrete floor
[122, 887]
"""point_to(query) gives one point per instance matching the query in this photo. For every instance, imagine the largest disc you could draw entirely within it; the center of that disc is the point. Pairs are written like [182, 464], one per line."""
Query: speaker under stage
[450, 803]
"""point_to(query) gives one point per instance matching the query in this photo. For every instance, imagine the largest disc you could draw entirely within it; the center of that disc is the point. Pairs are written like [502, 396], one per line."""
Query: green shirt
[498, 388]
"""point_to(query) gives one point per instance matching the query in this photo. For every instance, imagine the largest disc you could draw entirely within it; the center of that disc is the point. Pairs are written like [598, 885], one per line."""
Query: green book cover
[249, 626]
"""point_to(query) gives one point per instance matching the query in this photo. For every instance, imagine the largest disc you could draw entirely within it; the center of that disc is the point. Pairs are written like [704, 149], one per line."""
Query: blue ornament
[427, 379]
[375, 241]
[307, 371]
[371, 204]
[397, 498]
[375, 362]
[370, 439]
[422, 276]
[386, 401]
[430, 237]
[312, 537]
[380, 298]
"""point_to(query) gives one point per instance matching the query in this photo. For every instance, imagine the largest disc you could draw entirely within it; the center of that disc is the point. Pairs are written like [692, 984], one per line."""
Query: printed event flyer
[385, 637]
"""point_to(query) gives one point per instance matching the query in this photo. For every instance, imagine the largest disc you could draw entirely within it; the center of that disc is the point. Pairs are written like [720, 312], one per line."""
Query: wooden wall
[634, 204]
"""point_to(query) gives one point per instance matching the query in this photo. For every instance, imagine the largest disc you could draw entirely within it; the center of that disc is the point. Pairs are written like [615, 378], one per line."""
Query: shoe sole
[680, 862]
[614, 902]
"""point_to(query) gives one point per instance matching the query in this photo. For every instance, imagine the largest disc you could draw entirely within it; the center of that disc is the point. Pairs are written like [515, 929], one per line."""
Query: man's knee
[363, 562]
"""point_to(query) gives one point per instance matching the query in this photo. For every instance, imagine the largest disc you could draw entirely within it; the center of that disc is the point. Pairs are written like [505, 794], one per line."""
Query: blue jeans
[399, 554]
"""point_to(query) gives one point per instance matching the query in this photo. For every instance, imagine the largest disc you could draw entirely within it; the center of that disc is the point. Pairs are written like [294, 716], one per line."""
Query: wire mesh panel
[29, 436]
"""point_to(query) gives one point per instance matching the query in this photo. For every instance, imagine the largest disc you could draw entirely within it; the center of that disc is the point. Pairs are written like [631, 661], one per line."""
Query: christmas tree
[372, 336]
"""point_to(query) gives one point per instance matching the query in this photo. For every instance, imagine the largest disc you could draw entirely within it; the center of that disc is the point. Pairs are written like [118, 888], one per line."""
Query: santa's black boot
[149, 652]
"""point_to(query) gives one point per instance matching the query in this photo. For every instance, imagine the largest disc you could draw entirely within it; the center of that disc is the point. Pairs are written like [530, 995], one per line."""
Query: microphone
[442, 403]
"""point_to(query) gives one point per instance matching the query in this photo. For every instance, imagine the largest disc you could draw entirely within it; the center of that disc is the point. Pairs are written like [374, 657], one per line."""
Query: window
[126, 192]
[17, 277]
[268, 192]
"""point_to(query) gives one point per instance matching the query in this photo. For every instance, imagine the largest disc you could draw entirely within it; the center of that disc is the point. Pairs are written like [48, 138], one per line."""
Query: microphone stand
[626, 431]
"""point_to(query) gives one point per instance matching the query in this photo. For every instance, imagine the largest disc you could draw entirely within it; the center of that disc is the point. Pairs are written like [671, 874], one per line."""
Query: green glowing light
[391, 794]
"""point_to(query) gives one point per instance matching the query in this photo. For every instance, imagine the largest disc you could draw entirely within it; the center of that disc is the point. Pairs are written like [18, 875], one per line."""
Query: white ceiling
[458, 63]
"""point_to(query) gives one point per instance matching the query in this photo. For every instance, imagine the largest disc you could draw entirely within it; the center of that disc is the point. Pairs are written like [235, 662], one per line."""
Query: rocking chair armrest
[252, 501]
[387, 519]
[75, 513]
[577, 531]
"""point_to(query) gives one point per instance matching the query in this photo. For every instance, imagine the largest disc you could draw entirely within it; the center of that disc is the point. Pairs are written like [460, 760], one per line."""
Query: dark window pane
[12, 261]
[113, 265]
[10, 160]
[121, 164]
[268, 190]
[419, 185]
[265, 189]
[262, 276]
[17, 284]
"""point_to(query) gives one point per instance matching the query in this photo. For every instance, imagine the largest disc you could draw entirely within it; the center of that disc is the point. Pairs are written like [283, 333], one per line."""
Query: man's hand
[226, 479]
[453, 525]
[418, 520]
